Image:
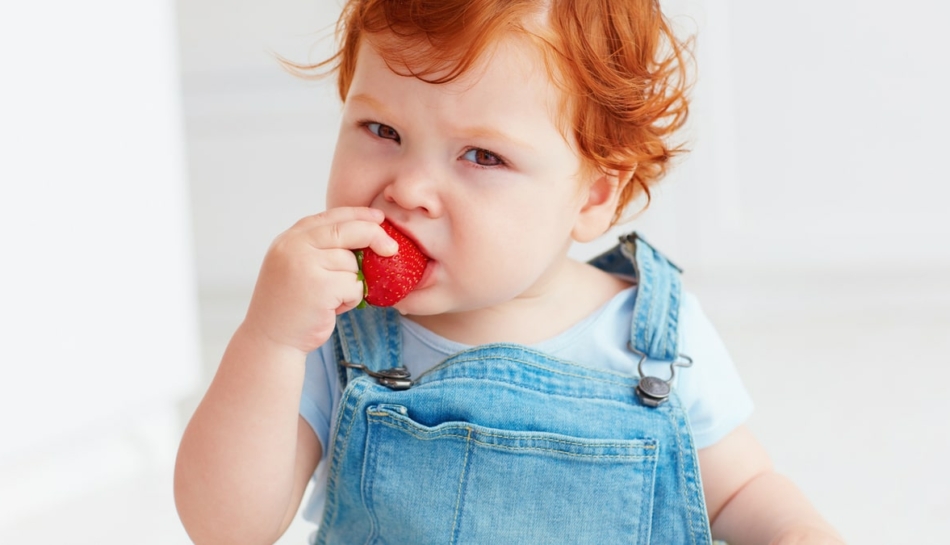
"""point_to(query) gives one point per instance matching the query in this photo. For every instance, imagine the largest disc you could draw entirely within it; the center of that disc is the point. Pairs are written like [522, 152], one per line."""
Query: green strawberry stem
[361, 278]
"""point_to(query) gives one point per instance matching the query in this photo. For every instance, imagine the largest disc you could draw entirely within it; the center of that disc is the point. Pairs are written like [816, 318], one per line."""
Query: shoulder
[697, 332]
[711, 390]
[590, 288]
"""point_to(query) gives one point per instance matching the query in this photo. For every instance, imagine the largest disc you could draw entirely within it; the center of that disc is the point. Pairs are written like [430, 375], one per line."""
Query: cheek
[513, 224]
[338, 172]
[348, 183]
[337, 195]
[501, 246]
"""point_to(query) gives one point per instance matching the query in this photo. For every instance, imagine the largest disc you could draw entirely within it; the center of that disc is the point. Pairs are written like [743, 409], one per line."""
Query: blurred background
[150, 151]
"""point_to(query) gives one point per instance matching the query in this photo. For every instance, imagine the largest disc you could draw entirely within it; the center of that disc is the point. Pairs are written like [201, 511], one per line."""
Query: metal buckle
[394, 378]
[654, 391]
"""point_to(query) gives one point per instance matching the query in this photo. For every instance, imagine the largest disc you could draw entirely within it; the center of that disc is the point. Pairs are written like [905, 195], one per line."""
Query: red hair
[619, 65]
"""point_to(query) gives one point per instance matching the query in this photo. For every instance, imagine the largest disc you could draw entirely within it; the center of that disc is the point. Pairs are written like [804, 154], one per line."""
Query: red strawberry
[388, 280]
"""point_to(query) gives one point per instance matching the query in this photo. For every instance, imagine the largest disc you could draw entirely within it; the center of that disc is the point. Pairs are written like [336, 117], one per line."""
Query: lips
[426, 278]
[408, 234]
[428, 275]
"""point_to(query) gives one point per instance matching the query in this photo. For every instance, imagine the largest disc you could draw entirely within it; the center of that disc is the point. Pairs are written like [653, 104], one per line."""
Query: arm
[246, 455]
[243, 456]
[749, 503]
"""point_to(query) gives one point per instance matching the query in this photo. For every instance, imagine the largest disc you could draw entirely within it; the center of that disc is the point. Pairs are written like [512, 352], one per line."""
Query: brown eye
[383, 131]
[483, 158]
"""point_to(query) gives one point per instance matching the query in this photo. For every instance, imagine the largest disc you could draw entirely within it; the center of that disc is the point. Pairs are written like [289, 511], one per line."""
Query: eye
[483, 157]
[382, 131]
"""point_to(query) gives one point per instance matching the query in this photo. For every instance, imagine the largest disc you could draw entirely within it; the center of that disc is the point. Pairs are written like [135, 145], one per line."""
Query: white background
[150, 155]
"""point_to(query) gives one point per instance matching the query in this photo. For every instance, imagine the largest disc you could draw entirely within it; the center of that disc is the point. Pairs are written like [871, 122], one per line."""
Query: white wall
[260, 140]
[840, 119]
[98, 307]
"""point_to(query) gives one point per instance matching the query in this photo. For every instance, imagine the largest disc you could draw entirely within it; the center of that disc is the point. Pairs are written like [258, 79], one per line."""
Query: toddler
[515, 395]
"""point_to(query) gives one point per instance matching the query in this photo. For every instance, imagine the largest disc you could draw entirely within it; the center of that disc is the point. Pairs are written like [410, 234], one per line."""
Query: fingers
[350, 290]
[350, 228]
[342, 214]
[339, 260]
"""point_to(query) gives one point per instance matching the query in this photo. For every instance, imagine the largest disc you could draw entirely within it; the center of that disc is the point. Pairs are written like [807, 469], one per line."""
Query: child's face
[474, 170]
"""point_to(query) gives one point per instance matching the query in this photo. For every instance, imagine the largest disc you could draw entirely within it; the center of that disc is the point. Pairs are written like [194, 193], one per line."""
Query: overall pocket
[458, 482]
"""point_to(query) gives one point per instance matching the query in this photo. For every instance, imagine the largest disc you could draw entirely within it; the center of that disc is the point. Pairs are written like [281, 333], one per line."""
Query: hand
[309, 276]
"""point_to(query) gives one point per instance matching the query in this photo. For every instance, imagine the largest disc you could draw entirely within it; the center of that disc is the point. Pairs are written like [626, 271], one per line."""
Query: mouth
[412, 238]
[431, 264]
[427, 275]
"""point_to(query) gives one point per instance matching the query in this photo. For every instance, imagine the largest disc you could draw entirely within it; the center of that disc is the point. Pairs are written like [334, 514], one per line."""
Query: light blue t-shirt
[711, 391]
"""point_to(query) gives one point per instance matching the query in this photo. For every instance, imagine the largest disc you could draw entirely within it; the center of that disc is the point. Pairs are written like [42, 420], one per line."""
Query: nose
[414, 188]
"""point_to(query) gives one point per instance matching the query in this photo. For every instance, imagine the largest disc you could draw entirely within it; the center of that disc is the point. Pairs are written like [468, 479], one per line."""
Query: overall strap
[368, 337]
[656, 309]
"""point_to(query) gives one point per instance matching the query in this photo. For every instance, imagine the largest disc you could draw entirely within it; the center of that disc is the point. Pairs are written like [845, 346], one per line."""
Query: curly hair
[621, 68]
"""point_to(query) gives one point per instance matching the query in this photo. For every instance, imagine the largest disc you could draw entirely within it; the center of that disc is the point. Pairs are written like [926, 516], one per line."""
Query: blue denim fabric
[504, 444]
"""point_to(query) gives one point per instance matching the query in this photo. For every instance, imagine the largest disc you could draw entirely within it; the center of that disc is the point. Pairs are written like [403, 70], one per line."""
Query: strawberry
[387, 280]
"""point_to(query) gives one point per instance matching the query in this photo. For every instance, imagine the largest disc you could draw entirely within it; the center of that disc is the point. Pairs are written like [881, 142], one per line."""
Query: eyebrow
[472, 132]
[489, 133]
[370, 101]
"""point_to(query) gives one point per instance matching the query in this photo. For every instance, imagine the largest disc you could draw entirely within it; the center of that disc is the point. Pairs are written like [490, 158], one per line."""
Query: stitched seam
[371, 459]
[696, 480]
[393, 339]
[389, 420]
[620, 382]
[681, 470]
[430, 437]
[337, 456]
[649, 494]
[644, 304]
[672, 318]
[354, 349]
[520, 385]
[463, 483]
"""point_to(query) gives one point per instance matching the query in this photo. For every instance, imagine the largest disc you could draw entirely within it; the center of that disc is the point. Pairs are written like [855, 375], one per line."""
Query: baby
[515, 395]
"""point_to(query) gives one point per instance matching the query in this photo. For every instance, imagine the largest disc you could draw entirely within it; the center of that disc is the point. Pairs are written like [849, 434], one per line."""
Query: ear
[598, 204]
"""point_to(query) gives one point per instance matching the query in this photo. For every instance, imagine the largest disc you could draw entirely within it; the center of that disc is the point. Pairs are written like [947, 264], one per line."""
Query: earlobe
[597, 212]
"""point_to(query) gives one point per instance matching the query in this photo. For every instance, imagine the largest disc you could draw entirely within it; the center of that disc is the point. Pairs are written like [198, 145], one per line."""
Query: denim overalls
[503, 444]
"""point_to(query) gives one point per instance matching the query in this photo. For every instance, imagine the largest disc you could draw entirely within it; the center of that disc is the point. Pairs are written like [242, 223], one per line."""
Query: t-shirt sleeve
[320, 392]
[711, 390]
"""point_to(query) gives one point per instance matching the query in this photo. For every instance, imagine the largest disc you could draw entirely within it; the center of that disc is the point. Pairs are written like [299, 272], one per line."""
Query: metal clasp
[394, 378]
[653, 391]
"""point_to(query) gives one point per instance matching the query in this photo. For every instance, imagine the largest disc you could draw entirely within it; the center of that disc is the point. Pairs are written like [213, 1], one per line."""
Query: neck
[579, 290]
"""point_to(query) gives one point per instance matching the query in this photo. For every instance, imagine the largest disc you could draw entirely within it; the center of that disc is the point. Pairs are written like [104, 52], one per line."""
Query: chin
[417, 304]
[407, 307]
[412, 310]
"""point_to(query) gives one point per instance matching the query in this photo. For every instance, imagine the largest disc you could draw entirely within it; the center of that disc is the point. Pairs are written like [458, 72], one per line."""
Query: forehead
[509, 79]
